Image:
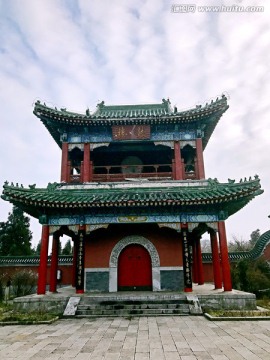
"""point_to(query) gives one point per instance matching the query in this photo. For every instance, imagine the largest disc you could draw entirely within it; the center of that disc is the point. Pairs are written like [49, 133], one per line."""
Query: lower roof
[197, 195]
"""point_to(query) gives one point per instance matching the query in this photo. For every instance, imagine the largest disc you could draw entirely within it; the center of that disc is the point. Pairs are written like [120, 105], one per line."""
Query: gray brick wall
[97, 281]
[171, 280]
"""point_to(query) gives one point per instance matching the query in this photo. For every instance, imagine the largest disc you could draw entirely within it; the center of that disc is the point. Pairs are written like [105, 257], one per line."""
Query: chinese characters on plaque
[80, 262]
[131, 132]
[186, 262]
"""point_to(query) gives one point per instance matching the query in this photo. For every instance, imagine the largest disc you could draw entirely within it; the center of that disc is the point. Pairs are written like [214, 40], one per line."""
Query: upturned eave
[64, 198]
[204, 118]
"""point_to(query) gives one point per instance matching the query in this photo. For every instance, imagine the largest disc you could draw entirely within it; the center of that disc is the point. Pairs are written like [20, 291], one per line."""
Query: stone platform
[206, 295]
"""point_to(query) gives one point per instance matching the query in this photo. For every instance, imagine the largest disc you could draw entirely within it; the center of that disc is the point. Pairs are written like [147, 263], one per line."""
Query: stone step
[131, 312]
[131, 306]
[128, 315]
[128, 307]
[139, 299]
[132, 303]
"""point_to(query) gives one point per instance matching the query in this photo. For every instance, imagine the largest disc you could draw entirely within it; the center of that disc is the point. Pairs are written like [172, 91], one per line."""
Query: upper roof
[201, 117]
[201, 195]
[119, 111]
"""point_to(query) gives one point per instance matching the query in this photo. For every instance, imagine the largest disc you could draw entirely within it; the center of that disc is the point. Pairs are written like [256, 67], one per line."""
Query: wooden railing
[75, 178]
[190, 175]
[122, 172]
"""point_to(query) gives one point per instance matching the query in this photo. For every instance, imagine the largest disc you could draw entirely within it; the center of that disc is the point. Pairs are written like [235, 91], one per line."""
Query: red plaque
[131, 132]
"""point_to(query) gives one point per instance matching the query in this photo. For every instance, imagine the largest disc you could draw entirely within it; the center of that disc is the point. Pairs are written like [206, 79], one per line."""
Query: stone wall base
[228, 301]
[55, 303]
[41, 303]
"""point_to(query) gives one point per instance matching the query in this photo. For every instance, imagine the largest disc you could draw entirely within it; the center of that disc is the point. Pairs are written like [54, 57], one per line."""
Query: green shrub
[24, 283]
[2, 284]
[252, 276]
[3, 281]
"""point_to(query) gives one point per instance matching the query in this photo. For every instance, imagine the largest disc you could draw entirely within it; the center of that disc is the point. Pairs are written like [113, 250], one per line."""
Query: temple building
[134, 198]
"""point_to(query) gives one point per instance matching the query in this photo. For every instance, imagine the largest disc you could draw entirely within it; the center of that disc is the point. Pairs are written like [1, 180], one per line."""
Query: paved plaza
[155, 338]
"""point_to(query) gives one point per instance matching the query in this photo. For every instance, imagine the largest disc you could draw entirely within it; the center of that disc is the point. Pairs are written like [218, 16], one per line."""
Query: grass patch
[265, 303]
[5, 308]
[26, 318]
[7, 314]
[238, 313]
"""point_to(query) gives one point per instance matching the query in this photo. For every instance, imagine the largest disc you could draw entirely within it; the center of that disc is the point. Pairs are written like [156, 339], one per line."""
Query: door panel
[134, 269]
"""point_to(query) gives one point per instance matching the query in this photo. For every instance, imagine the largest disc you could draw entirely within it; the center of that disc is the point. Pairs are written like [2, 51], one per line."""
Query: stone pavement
[155, 338]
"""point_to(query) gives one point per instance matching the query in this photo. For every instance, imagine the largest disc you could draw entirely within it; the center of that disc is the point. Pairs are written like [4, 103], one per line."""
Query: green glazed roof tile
[252, 254]
[230, 196]
[206, 117]
[117, 111]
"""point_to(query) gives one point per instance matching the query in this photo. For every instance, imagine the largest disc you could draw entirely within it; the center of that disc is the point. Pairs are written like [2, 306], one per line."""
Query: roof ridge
[154, 186]
[101, 108]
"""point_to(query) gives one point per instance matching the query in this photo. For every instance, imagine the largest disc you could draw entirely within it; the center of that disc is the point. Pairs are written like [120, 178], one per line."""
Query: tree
[254, 237]
[15, 234]
[251, 275]
[38, 247]
[241, 244]
[237, 244]
[67, 249]
[205, 246]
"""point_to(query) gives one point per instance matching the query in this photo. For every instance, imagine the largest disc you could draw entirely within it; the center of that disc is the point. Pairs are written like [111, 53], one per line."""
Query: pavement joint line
[190, 338]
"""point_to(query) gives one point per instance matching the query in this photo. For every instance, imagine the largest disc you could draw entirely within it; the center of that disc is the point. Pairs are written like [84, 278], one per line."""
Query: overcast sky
[76, 53]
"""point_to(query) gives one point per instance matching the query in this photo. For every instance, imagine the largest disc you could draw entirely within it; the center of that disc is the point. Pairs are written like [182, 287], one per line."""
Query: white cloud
[75, 54]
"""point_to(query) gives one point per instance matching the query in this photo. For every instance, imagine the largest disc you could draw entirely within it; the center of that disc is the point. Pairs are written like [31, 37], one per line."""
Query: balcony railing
[122, 172]
[190, 175]
[113, 173]
[75, 178]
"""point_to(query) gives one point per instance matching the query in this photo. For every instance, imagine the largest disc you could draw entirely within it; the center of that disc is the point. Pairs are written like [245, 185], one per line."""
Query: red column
[64, 165]
[86, 163]
[42, 271]
[199, 155]
[68, 171]
[54, 263]
[183, 169]
[215, 260]
[177, 162]
[194, 263]
[82, 172]
[173, 169]
[199, 262]
[225, 264]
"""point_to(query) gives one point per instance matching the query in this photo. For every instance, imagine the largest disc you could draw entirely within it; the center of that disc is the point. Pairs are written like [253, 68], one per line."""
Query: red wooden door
[134, 269]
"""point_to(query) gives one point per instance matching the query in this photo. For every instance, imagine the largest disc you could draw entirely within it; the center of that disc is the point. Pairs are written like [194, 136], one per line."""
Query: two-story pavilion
[134, 198]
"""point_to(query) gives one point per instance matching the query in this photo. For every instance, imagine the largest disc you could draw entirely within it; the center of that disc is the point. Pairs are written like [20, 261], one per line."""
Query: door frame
[148, 245]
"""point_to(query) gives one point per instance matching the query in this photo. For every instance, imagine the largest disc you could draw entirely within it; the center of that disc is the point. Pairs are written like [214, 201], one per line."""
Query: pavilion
[134, 198]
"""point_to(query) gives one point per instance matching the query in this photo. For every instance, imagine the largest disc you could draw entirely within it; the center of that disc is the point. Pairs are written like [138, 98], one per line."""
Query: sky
[76, 53]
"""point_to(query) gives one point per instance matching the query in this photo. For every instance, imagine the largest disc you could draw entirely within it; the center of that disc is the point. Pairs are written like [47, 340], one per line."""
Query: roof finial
[101, 104]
